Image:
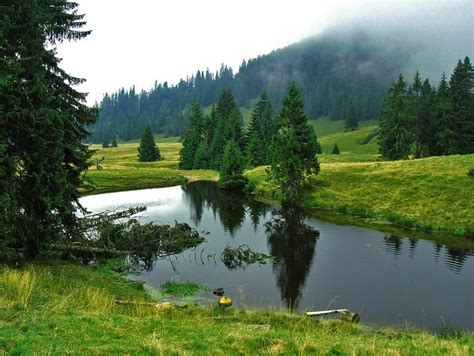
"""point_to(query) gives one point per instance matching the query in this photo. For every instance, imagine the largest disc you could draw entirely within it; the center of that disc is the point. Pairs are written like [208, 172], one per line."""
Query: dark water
[390, 280]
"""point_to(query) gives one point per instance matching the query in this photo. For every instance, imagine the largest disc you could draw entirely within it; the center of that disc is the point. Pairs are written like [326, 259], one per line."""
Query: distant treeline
[331, 72]
[423, 120]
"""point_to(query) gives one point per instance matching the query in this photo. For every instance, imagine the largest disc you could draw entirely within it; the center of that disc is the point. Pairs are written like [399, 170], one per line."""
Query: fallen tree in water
[236, 257]
[115, 234]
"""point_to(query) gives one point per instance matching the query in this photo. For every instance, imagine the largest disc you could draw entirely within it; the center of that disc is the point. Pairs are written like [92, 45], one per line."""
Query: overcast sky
[138, 42]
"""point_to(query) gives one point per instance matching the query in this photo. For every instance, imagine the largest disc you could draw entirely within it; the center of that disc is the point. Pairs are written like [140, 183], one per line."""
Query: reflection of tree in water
[292, 244]
[257, 211]
[393, 244]
[437, 251]
[230, 206]
[413, 243]
[455, 258]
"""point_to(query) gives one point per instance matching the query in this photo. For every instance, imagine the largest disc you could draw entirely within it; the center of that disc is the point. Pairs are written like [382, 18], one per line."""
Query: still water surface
[390, 280]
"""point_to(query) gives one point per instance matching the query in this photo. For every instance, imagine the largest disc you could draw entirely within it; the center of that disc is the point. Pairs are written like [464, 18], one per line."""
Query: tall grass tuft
[98, 301]
[18, 286]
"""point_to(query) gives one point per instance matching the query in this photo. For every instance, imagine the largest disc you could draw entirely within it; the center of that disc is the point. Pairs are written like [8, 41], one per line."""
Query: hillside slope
[332, 71]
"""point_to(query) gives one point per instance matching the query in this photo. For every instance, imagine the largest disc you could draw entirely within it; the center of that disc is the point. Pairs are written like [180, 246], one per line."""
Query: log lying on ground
[88, 249]
[346, 314]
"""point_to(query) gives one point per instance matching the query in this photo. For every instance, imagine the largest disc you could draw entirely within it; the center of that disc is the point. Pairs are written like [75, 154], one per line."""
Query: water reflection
[393, 245]
[413, 243]
[292, 243]
[352, 265]
[455, 258]
[229, 207]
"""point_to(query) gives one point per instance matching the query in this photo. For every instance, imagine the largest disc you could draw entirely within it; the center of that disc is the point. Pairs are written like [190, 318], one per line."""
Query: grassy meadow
[120, 169]
[58, 308]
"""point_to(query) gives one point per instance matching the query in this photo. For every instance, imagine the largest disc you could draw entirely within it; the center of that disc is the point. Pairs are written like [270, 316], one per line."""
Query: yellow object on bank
[225, 301]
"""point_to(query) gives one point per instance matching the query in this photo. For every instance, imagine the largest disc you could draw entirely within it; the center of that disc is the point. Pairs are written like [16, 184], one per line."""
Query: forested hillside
[332, 71]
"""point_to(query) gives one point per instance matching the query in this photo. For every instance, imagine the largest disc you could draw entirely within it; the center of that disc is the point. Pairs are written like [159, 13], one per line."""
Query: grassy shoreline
[431, 194]
[58, 307]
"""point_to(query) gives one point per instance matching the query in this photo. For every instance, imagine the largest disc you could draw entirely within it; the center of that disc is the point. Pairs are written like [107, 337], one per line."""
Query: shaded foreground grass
[72, 308]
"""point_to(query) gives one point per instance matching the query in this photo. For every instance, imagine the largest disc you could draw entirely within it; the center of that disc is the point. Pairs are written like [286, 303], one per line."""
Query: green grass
[181, 288]
[122, 171]
[72, 309]
[432, 193]
[325, 126]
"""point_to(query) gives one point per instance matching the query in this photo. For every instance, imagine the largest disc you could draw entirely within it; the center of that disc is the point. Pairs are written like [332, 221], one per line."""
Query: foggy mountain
[332, 70]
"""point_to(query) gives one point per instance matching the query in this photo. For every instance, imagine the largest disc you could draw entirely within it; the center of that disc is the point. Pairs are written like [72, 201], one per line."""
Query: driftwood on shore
[346, 314]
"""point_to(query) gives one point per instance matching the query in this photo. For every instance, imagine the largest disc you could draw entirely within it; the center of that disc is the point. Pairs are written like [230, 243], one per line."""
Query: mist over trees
[331, 71]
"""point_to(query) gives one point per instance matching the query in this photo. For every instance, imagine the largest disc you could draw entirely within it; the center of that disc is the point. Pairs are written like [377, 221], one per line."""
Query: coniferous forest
[425, 120]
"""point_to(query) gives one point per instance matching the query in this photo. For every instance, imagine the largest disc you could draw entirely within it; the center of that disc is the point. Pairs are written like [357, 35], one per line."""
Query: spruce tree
[294, 147]
[43, 120]
[147, 150]
[444, 141]
[260, 133]
[114, 143]
[395, 135]
[191, 138]
[414, 108]
[335, 150]
[232, 167]
[227, 125]
[201, 157]
[351, 123]
[427, 134]
[462, 96]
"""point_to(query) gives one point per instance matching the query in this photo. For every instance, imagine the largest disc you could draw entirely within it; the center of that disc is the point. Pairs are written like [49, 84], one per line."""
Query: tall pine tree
[232, 167]
[462, 96]
[260, 133]
[192, 137]
[294, 147]
[395, 125]
[227, 125]
[444, 140]
[43, 120]
[351, 123]
[414, 109]
[147, 150]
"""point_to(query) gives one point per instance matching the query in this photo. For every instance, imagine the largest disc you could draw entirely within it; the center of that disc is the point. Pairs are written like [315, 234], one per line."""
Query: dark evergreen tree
[232, 167]
[351, 119]
[260, 133]
[227, 125]
[444, 140]
[105, 144]
[42, 119]
[114, 143]
[192, 137]
[462, 97]
[148, 151]
[294, 147]
[335, 150]
[395, 136]
[427, 134]
[201, 157]
[414, 109]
